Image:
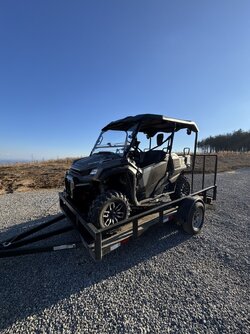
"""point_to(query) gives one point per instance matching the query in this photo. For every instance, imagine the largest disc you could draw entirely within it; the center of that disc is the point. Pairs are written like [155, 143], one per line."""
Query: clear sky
[69, 67]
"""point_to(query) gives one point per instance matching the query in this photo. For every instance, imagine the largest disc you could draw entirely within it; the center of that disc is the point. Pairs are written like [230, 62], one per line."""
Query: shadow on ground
[31, 283]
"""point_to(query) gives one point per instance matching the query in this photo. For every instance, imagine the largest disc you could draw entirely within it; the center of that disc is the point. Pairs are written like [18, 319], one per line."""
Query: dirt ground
[34, 175]
[50, 174]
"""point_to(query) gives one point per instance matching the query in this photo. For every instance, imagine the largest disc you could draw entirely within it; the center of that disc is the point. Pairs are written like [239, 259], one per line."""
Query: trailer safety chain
[47, 210]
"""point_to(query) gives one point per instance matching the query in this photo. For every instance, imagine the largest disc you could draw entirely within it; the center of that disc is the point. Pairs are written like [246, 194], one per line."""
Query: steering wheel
[135, 146]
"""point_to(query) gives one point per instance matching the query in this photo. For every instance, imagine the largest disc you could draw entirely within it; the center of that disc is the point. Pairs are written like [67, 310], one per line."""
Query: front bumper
[74, 187]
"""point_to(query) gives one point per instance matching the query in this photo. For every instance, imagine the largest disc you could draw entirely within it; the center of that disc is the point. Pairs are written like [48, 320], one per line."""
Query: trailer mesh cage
[203, 173]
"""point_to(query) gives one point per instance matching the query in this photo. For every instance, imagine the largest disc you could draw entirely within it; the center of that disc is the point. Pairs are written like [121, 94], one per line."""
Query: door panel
[151, 175]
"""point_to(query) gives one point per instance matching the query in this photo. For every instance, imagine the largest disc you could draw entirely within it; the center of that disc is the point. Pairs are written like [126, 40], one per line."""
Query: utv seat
[151, 157]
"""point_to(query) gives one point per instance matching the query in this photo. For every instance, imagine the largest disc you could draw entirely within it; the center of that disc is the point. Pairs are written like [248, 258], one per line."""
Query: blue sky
[69, 67]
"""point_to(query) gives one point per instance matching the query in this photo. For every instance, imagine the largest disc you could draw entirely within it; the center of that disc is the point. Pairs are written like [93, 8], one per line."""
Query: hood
[93, 161]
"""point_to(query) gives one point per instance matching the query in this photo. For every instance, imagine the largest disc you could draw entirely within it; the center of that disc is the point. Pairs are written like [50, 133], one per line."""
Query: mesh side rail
[204, 173]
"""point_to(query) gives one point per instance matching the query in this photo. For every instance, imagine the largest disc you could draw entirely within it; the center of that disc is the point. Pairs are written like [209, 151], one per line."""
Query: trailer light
[124, 241]
[168, 218]
[93, 172]
[113, 247]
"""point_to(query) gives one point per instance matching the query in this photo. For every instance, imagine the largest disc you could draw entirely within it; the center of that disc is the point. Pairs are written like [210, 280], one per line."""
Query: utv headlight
[93, 172]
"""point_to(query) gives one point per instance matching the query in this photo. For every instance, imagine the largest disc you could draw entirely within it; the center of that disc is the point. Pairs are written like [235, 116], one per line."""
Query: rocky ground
[165, 282]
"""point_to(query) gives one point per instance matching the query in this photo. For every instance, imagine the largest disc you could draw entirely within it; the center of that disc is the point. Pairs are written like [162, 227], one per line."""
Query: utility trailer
[102, 241]
[122, 188]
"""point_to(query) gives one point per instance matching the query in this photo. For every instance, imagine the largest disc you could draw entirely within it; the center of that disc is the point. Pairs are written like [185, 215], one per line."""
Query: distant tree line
[238, 141]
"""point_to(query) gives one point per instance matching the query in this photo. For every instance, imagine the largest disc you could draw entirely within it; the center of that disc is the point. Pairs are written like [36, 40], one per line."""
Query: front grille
[78, 172]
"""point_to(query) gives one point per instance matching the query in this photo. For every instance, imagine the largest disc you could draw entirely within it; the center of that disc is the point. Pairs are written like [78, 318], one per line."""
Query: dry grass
[33, 175]
[233, 160]
[227, 161]
[50, 174]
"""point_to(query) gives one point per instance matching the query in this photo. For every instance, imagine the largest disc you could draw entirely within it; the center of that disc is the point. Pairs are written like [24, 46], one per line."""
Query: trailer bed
[100, 242]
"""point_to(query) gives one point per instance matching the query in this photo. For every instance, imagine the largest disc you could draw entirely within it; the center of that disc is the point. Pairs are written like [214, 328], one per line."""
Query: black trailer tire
[182, 188]
[109, 208]
[191, 214]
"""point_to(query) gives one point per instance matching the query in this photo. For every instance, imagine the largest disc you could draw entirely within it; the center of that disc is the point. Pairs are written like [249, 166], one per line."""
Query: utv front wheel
[108, 209]
[182, 188]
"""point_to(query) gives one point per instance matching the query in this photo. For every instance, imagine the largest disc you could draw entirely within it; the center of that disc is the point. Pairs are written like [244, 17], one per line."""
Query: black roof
[151, 124]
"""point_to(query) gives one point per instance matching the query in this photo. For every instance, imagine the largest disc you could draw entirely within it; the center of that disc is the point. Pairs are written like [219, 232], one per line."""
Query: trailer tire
[191, 214]
[109, 208]
[182, 188]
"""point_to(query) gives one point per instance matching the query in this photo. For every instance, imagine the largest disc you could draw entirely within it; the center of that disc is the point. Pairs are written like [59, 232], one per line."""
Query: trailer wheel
[191, 214]
[182, 188]
[109, 208]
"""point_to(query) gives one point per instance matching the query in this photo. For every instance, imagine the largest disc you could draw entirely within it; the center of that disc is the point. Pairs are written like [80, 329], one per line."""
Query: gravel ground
[165, 282]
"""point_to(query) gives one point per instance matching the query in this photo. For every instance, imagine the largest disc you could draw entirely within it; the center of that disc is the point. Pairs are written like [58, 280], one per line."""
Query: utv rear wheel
[182, 188]
[108, 209]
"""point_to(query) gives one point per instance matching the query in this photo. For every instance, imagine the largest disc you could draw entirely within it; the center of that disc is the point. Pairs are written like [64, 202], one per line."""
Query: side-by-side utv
[122, 173]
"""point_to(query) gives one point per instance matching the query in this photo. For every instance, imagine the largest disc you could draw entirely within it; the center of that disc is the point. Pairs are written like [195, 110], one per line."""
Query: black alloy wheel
[109, 208]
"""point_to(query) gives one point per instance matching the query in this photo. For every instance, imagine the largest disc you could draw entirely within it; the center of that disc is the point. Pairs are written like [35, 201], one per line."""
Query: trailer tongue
[15, 246]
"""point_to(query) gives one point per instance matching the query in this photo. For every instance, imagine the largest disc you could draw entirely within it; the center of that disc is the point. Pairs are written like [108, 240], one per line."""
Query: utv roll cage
[150, 124]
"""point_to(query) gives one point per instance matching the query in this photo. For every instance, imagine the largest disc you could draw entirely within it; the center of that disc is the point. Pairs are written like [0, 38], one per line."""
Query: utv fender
[115, 171]
[130, 175]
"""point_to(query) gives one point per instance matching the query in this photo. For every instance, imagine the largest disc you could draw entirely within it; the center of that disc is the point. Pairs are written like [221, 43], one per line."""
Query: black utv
[130, 166]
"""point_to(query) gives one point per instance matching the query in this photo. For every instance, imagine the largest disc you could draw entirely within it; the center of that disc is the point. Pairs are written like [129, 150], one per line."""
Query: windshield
[113, 141]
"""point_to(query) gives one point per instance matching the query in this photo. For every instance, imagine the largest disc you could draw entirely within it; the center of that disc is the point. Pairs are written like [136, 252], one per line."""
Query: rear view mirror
[186, 150]
[159, 139]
